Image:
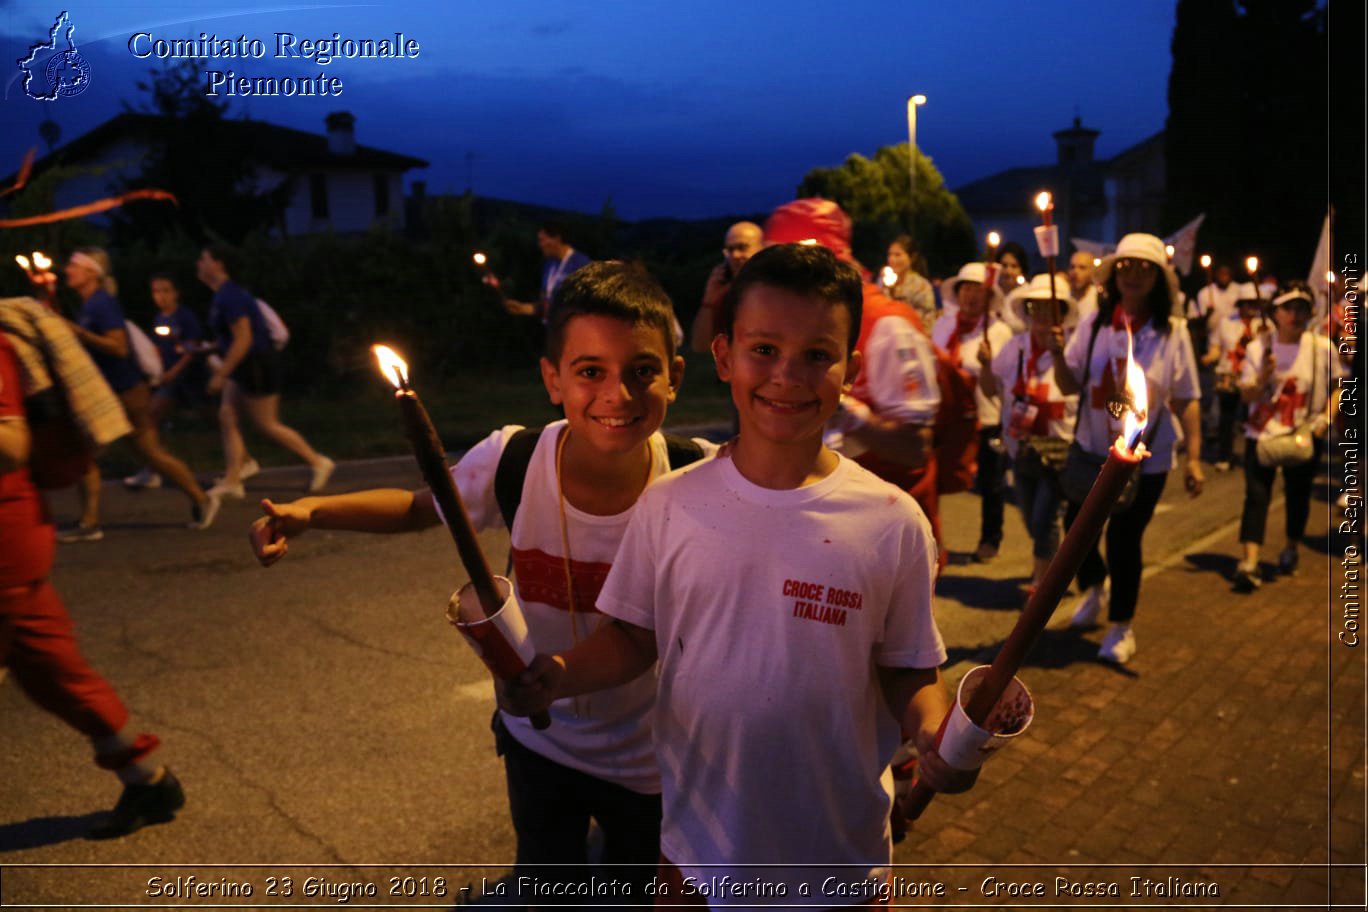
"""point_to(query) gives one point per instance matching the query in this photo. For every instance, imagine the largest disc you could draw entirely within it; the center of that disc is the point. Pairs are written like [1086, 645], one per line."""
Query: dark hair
[165, 275]
[1159, 303]
[553, 227]
[914, 255]
[224, 255]
[806, 269]
[617, 290]
[1015, 250]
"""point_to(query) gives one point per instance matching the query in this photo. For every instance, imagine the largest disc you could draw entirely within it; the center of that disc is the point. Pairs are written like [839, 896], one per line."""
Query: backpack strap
[512, 471]
[681, 451]
[517, 456]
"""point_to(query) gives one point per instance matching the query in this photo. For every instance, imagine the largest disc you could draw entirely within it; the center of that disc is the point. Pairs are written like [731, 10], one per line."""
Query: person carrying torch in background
[566, 492]
[1140, 291]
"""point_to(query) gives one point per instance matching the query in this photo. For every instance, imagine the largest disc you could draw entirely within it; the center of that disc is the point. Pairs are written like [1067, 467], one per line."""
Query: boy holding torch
[611, 363]
[784, 594]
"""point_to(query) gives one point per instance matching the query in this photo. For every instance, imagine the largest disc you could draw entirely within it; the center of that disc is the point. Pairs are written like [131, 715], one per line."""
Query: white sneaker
[222, 490]
[249, 468]
[204, 514]
[144, 479]
[1118, 645]
[1091, 605]
[321, 473]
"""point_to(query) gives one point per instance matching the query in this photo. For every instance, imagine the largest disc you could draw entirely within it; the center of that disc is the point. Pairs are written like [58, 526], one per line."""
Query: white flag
[1320, 270]
[1098, 249]
[1184, 242]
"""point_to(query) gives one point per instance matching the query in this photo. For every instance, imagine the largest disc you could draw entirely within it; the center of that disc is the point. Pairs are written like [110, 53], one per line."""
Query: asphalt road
[321, 712]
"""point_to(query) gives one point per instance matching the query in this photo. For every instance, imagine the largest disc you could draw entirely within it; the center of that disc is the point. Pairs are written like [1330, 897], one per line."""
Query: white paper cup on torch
[1047, 240]
[964, 745]
[500, 640]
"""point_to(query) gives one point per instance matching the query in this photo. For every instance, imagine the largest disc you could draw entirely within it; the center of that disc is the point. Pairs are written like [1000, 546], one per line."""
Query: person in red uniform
[37, 644]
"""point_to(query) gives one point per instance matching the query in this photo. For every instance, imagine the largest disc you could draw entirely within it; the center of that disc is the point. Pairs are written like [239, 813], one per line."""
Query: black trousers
[992, 462]
[551, 805]
[1123, 534]
[1228, 401]
[1297, 481]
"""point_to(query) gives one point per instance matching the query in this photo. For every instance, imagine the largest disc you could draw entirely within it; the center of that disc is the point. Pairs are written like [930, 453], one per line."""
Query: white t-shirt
[1083, 306]
[1231, 337]
[771, 610]
[1032, 403]
[898, 379]
[1170, 372]
[1218, 303]
[608, 734]
[1290, 397]
[989, 408]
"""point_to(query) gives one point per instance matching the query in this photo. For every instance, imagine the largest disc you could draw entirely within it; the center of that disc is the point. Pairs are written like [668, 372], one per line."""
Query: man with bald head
[743, 240]
[1081, 285]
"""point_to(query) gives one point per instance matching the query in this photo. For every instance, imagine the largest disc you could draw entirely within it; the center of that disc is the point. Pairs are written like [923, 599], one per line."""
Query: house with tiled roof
[335, 184]
[1095, 200]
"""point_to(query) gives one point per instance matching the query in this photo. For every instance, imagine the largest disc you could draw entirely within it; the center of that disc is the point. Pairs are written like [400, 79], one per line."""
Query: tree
[875, 193]
[1245, 139]
[201, 157]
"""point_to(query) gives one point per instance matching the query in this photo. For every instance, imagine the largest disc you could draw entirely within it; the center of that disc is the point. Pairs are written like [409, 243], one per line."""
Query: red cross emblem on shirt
[1101, 392]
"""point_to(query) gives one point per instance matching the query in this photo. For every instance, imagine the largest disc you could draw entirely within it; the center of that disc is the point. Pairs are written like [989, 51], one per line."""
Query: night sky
[687, 109]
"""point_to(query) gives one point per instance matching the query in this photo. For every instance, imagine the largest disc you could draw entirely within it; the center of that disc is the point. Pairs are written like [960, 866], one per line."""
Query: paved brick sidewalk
[1234, 739]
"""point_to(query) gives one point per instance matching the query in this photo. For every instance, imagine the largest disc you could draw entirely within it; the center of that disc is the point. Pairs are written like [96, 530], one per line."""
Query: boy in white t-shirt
[611, 364]
[785, 593]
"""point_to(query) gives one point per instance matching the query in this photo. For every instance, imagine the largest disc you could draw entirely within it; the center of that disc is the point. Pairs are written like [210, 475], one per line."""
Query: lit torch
[42, 276]
[888, 277]
[1211, 285]
[984, 711]
[486, 275]
[1047, 239]
[994, 239]
[491, 621]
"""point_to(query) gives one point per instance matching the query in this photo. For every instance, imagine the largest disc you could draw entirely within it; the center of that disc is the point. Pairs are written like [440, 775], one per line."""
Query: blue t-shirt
[99, 314]
[231, 303]
[182, 326]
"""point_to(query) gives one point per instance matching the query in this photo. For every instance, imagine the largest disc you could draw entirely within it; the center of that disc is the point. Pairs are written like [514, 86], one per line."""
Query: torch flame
[888, 276]
[23, 262]
[1168, 250]
[1206, 261]
[480, 259]
[41, 261]
[1252, 264]
[1043, 200]
[391, 365]
[1330, 277]
[162, 330]
[1134, 420]
[994, 239]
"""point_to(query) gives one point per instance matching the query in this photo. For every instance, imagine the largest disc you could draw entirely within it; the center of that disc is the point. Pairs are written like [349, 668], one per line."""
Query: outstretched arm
[383, 510]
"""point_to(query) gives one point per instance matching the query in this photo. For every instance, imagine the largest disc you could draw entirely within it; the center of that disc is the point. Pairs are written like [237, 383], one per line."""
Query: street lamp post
[913, 102]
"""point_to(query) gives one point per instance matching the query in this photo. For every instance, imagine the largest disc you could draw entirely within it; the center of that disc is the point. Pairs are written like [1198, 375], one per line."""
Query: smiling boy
[785, 593]
[611, 364]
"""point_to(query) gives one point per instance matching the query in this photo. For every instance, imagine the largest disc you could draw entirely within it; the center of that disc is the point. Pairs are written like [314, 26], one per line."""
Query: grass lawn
[366, 424]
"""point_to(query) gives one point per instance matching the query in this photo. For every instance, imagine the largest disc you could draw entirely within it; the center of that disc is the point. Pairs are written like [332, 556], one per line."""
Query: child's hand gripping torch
[484, 611]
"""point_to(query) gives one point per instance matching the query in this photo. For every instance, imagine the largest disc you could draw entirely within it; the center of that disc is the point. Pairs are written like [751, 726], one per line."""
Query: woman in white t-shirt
[1284, 382]
[1142, 293]
[1037, 416]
